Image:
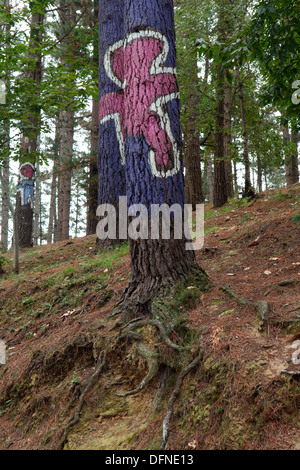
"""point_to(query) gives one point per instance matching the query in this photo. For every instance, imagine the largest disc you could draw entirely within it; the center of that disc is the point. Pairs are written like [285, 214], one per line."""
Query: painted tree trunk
[111, 151]
[153, 141]
[24, 204]
[140, 110]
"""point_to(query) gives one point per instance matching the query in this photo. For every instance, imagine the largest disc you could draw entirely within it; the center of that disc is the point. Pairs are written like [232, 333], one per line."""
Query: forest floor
[244, 395]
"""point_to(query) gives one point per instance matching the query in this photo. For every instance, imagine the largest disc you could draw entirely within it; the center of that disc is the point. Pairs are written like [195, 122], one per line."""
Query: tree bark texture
[66, 137]
[291, 160]
[94, 141]
[227, 139]
[193, 176]
[4, 206]
[111, 150]
[247, 189]
[220, 186]
[30, 138]
[154, 170]
[52, 210]
[5, 139]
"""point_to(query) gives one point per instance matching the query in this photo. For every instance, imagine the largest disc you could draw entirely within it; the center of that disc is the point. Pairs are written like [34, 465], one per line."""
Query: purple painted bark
[139, 110]
[110, 160]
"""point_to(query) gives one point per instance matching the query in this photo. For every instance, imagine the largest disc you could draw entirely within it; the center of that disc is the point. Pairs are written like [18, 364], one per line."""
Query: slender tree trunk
[66, 138]
[93, 167]
[291, 160]
[52, 210]
[210, 178]
[30, 138]
[220, 182]
[235, 178]
[193, 176]
[227, 139]
[295, 138]
[5, 144]
[247, 190]
[4, 207]
[93, 173]
[259, 172]
[37, 205]
[65, 125]
[15, 228]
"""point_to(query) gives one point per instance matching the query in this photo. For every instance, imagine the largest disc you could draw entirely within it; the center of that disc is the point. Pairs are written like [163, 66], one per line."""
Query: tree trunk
[93, 173]
[29, 142]
[193, 176]
[210, 178]
[4, 206]
[93, 167]
[291, 159]
[66, 137]
[37, 206]
[227, 140]
[259, 172]
[247, 190]
[220, 183]
[5, 139]
[150, 126]
[52, 210]
[65, 124]
[295, 138]
[15, 228]
[111, 156]
[235, 178]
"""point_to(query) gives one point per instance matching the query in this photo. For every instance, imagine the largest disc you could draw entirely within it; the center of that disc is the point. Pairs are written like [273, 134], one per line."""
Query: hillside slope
[244, 394]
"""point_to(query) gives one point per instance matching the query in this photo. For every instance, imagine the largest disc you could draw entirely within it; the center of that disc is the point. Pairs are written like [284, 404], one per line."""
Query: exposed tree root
[135, 324]
[150, 310]
[161, 390]
[262, 307]
[174, 396]
[138, 297]
[90, 384]
[153, 364]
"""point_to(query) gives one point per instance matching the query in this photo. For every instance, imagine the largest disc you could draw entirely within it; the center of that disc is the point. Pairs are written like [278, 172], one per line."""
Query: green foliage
[296, 218]
[3, 260]
[69, 74]
[273, 40]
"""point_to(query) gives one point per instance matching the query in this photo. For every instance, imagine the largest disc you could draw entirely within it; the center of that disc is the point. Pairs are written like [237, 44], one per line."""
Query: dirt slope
[245, 393]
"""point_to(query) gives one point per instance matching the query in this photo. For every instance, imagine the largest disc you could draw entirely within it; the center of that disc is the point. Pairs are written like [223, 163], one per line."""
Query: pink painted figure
[27, 171]
[140, 107]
